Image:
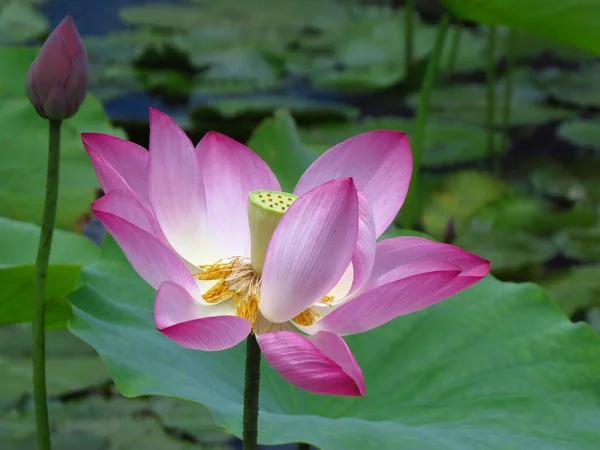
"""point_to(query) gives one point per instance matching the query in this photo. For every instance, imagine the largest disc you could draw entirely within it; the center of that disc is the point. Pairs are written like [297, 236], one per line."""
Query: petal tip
[89, 138]
[158, 115]
[321, 365]
[209, 334]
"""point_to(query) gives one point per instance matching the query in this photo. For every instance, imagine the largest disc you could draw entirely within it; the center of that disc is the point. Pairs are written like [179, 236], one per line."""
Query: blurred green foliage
[292, 79]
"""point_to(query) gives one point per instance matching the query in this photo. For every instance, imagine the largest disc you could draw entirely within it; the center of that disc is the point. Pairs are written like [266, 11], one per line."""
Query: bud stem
[41, 269]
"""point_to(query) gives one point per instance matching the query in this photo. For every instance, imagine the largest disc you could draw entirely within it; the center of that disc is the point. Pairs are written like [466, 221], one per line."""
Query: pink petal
[393, 253]
[118, 162]
[310, 249]
[126, 205]
[364, 252]
[412, 268]
[153, 261]
[379, 162]
[321, 365]
[378, 306]
[230, 171]
[192, 325]
[175, 189]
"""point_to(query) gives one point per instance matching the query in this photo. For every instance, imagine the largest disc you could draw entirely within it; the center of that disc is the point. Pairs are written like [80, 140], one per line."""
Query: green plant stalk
[41, 270]
[408, 34]
[490, 94]
[508, 90]
[410, 210]
[454, 48]
[251, 389]
[303, 446]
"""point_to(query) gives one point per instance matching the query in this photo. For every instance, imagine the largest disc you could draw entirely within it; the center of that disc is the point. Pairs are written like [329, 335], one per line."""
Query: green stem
[303, 446]
[41, 269]
[508, 91]
[411, 205]
[251, 388]
[490, 102]
[408, 35]
[455, 46]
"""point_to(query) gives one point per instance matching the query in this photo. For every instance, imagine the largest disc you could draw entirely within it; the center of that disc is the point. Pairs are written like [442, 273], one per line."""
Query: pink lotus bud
[57, 79]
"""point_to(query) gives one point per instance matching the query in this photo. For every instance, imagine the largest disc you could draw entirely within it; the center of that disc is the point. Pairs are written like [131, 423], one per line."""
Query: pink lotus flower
[57, 79]
[230, 254]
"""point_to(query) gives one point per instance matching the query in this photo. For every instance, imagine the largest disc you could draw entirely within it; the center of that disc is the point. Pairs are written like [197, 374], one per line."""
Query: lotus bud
[57, 79]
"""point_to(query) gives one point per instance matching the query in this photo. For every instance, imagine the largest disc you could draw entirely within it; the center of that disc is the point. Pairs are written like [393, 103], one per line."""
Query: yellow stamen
[248, 308]
[306, 317]
[215, 271]
[217, 293]
[327, 299]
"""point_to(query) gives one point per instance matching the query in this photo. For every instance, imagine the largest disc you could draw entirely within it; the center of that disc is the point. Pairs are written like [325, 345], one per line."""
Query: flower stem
[41, 269]
[303, 446]
[408, 34]
[410, 210]
[508, 91]
[454, 48]
[251, 388]
[490, 101]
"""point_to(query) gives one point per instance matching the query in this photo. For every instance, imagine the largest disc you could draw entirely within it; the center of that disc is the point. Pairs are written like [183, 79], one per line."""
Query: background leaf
[497, 366]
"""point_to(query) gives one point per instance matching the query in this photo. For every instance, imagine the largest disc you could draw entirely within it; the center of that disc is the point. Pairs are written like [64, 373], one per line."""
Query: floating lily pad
[232, 14]
[111, 58]
[517, 211]
[557, 180]
[576, 181]
[510, 211]
[575, 289]
[445, 143]
[470, 56]
[580, 243]
[64, 375]
[190, 418]
[584, 133]
[71, 365]
[369, 51]
[467, 103]
[62, 440]
[104, 424]
[573, 87]
[15, 342]
[20, 22]
[483, 355]
[237, 64]
[256, 108]
[462, 196]
[364, 78]
[512, 253]
[587, 170]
